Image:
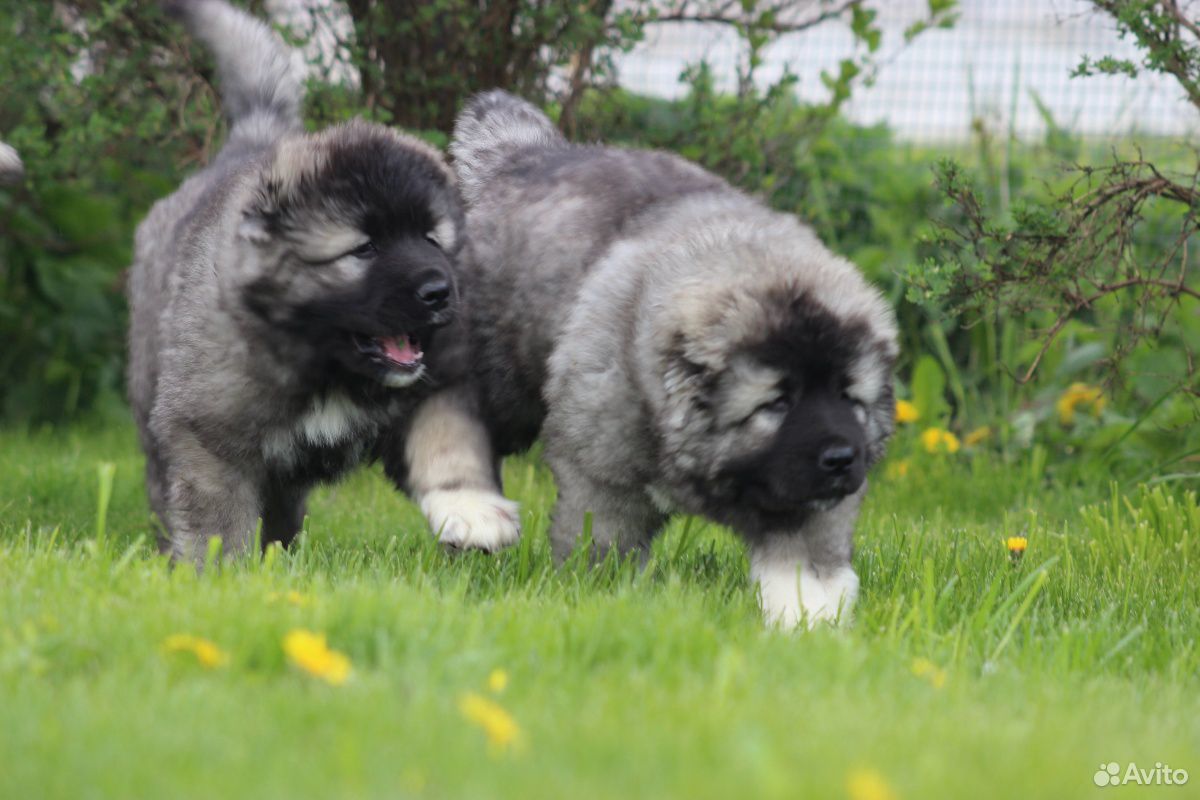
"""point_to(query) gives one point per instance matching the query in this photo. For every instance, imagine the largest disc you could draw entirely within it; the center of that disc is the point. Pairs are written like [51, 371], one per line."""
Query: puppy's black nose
[837, 458]
[435, 294]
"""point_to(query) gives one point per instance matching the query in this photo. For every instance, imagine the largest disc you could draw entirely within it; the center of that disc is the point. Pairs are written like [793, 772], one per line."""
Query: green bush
[106, 121]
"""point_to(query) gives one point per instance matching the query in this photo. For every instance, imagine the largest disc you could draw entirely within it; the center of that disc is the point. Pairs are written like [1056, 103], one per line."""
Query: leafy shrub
[1087, 273]
[104, 118]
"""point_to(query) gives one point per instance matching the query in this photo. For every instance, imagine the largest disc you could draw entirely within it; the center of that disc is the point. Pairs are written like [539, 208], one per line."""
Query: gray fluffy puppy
[679, 346]
[290, 306]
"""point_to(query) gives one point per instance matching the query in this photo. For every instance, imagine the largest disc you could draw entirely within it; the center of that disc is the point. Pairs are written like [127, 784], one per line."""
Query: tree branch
[722, 16]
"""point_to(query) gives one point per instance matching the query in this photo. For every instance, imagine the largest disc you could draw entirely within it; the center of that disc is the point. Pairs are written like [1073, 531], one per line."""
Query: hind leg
[156, 494]
[206, 497]
[621, 518]
[283, 513]
[205, 501]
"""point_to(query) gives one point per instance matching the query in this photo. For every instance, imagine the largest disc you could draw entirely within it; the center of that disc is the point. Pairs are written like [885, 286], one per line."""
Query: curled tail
[491, 128]
[260, 88]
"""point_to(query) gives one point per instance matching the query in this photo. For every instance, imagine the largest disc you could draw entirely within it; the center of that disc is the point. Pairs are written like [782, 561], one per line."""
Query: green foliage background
[107, 117]
[110, 106]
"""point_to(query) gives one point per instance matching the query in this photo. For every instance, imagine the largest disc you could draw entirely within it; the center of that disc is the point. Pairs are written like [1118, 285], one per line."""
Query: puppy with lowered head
[679, 347]
[291, 304]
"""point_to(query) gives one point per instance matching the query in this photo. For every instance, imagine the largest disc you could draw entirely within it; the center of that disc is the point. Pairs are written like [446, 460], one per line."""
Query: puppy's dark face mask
[790, 423]
[379, 323]
[356, 252]
[816, 456]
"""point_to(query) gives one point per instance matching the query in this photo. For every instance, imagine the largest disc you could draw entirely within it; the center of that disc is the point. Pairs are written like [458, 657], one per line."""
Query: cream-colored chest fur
[328, 422]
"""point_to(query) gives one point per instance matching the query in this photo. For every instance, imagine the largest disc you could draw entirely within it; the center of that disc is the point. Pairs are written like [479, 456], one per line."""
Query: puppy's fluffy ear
[692, 330]
[263, 213]
[253, 228]
[281, 186]
[684, 380]
[684, 359]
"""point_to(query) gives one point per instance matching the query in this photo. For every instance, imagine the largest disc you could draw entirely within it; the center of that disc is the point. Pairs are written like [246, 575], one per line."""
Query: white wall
[930, 90]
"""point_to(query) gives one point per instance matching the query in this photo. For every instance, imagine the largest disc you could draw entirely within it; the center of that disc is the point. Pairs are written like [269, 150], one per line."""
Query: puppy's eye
[364, 250]
[432, 239]
[779, 405]
[858, 407]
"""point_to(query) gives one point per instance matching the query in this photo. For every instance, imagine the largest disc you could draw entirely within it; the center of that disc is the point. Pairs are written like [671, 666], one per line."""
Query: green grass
[624, 683]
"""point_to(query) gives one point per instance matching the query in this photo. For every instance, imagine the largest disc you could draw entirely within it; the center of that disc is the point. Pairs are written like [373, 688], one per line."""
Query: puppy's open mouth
[401, 352]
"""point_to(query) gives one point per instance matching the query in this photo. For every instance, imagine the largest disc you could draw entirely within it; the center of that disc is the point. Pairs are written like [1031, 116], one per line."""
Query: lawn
[966, 673]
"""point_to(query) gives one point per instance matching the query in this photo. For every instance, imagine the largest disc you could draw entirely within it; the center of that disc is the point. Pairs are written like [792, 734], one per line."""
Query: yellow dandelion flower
[291, 596]
[497, 724]
[309, 652]
[206, 653]
[497, 680]
[898, 469]
[1079, 395]
[1016, 547]
[924, 668]
[937, 440]
[980, 434]
[906, 412]
[867, 784]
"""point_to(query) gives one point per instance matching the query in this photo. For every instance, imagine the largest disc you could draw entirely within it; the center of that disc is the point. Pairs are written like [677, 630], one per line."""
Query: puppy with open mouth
[290, 306]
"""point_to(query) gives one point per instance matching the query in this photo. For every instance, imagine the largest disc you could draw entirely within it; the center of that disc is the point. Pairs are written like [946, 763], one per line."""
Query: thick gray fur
[237, 419]
[614, 293]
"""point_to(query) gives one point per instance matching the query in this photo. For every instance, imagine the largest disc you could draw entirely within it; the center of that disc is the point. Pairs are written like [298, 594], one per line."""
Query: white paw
[832, 595]
[472, 519]
[791, 596]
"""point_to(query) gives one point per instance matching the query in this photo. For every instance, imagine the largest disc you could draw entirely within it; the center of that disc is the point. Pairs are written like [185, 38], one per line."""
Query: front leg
[206, 497]
[448, 468]
[621, 517]
[805, 576]
[283, 509]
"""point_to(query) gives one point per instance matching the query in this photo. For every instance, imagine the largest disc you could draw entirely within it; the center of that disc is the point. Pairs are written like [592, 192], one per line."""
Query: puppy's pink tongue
[400, 349]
